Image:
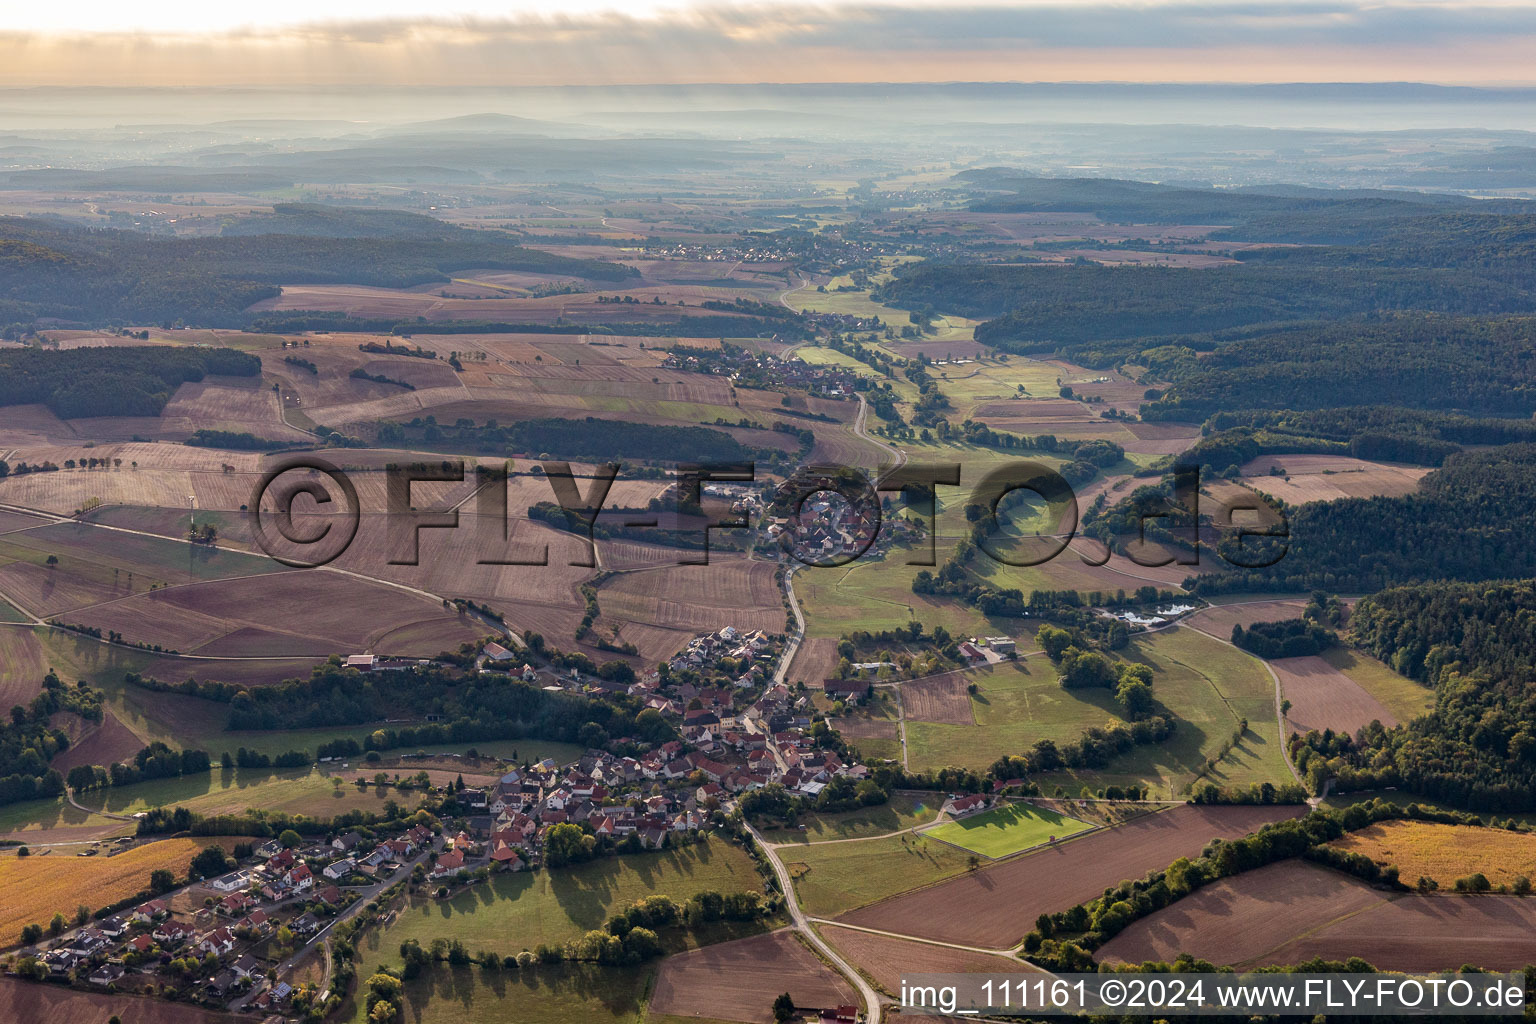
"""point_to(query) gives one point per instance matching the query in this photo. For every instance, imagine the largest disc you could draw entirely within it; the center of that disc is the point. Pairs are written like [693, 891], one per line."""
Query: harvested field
[23, 663]
[10, 521]
[886, 959]
[993, 907]
[1322, 697]
[940, 699]
[33, 889]
[54, 1004]
[1329, 477]
[47, 592]
[31, 424]
[739, 980]
[1218, 619]
[318, 613]
[728, 591]
[1293, 911]
[814, 660]
[104, 744]
[1243, 919]
[862, 727]
[1444, 853]
[1403, 697]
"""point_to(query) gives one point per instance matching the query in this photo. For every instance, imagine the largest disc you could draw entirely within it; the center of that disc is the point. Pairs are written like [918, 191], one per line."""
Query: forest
[1464, 364]
[1472, 519]
[48, 270]
[131, 381]
[592, 438]
[1475, 644]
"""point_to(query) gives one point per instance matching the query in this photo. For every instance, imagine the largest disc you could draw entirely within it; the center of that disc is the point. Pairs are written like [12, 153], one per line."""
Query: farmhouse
[849, 691]
[971, 654]
[448, 864]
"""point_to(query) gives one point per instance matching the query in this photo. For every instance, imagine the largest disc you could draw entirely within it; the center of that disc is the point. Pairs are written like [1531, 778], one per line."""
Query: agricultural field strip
[435, 598]
[1011, 954]
[914, 829]
[1279, 715]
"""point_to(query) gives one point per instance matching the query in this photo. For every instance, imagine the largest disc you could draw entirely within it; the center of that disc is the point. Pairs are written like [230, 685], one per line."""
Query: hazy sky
[475, 42]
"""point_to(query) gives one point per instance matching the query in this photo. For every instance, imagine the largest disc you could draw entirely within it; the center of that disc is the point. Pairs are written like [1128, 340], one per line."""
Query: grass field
[1400, 695]
[567, 994]
[1445, 852]
[519, 911]
[1007, 829]
[1207, 685]
[33, 889]
[185, 721]
[897, 813]
[10, 613]
[46, 815]
[832, 878]
[307, 792]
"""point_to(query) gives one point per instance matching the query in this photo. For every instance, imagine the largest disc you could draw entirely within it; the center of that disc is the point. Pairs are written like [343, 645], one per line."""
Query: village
[232, 940]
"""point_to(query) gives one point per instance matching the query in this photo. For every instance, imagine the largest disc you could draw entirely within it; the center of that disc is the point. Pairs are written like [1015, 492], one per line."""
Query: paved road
[803, 925]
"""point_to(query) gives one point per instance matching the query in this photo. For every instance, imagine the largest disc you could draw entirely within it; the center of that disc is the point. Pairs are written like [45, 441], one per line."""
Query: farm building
[849, 691]
[362, 662]
[496, 652]
[1001, 644]
[970, 653]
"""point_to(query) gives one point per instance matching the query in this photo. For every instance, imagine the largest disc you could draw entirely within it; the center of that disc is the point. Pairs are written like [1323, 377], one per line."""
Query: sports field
[1007, 829]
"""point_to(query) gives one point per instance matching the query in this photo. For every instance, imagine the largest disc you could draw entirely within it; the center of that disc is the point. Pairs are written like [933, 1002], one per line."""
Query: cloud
[790, 41]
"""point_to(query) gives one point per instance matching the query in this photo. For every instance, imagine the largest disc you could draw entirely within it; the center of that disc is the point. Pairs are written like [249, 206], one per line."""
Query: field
[1292, 911]
[1218, 619]
[567, 994]
[307, 792]
[995, 906]
[884, 959]
[1329, 477]
[1403, 698]
[739, 980]
[33, 889]
[939, 699]
[519, 911]
[899, 812]
[833, 878]
[1007, 829]
[315, 613]
[1322, 697]
[1207, 685]
[104, 744]
[1444, 853]
[22, 665]
[54, 1004]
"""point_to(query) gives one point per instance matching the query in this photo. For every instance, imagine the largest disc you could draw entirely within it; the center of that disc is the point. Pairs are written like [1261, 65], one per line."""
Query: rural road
[785, 294]
[803, 925]
[858, 428]
[792, 644]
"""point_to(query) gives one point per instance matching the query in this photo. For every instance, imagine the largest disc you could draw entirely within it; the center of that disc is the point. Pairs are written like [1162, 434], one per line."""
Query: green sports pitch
[1007, 829]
